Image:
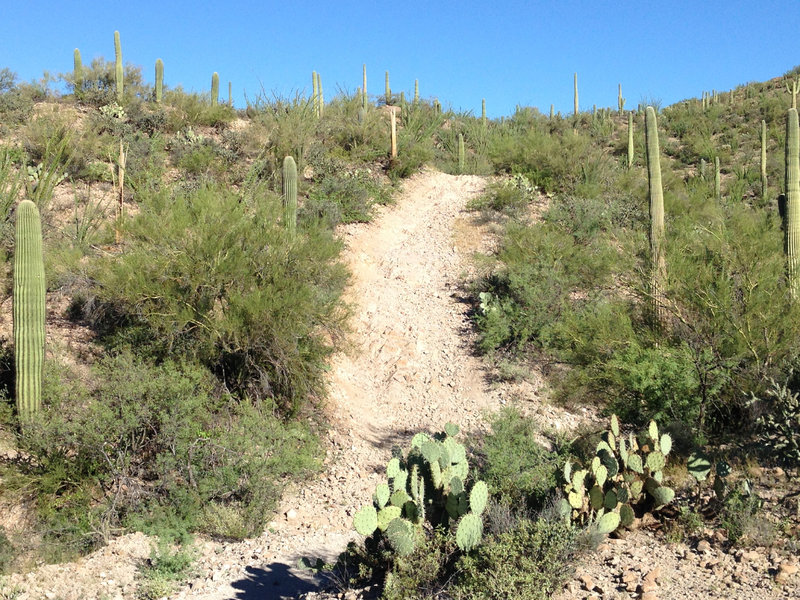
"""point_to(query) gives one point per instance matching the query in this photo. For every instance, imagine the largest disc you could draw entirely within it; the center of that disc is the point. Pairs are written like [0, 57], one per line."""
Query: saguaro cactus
[314, 93]
[792, 89]
[552, 114]
[214, 89]
[620, 99]
[29, 309]
[77, 72]
[416, 91]
[364, 88]
[763, 159]
[118, 72]
[159, 80]
[630, 139]
[575, 82]
[656, 194]
[321, 97]
[791, 227]
[290, 194]
[462, 162]
[388, 90]
[230, 94]
[483, 112]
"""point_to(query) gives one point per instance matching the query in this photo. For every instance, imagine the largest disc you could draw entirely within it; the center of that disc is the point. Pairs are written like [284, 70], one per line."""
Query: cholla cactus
[623, 474]
[426, 485]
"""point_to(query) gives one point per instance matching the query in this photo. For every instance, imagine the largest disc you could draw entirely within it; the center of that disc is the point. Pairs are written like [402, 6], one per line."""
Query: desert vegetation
[197, 244]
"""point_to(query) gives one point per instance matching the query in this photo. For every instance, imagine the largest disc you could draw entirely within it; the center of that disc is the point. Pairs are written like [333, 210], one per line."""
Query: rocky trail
[410, 368]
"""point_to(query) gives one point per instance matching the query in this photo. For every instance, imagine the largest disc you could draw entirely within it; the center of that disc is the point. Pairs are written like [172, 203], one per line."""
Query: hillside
[233, 386]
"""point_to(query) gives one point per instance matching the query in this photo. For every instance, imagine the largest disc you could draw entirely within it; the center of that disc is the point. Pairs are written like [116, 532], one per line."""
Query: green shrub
[519, 470]
[530, 561]
[213, 276]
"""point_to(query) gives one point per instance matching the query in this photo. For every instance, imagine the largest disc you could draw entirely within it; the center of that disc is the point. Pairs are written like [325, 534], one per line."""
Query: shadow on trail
[276, 581]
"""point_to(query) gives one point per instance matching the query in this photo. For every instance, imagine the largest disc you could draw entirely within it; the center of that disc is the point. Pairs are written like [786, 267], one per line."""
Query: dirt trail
[410, 369]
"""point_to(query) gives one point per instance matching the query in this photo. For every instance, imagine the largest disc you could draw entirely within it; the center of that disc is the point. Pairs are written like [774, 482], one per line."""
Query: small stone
[653, 575]
[703, 546]
[291, 514]
[588, 582]
[649, 596]
[630, 577]
[788, 568]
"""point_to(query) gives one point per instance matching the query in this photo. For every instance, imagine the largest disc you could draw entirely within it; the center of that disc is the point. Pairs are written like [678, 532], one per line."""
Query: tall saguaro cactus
[364, 87]
[630, 139]
[483, 112]
[656, 195]
[118, 72]
[230, 94]
[159, 80]
[416, 91]
[29, 309]
[792, 89]
[290, 195]
[763, 160]
[388, 90]
[791, 229]
[620, 99]
[314, 93]
[214, 89]
[575, 84]
[320, 96]
[462, 160]
[77, 72]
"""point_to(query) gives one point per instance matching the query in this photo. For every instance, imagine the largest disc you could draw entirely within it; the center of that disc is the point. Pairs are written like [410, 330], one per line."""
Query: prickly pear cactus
[622, 474]
[427, 485]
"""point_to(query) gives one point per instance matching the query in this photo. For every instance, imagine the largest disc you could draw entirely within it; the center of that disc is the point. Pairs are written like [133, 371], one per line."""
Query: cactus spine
[658, 264]
[159, 80]
[388, 90]
[214, 89]
[118, 72]
[77, 72]
[630, 139]
[462, 163]
[763, 160]
[717, 179]
[575, 85]
[290, 195]
[792, 222]
[29, 309]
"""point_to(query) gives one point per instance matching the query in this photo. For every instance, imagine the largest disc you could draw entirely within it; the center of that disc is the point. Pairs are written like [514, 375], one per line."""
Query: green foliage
[527, 561]
[779, 422]
[238, 294]
[160, 575]
[515, 464]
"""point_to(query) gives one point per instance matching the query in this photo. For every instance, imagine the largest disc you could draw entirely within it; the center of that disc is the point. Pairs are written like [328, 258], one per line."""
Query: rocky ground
[410, 368]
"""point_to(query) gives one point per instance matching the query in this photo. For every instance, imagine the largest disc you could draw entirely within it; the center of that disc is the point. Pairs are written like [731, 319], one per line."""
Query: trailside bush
[154, 447]
[216, 277]
[529, 561]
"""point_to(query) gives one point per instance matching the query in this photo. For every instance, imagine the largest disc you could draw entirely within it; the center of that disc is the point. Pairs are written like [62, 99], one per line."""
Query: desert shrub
[510, 196]
[529, 561]
[779, 421]
[216, 277]
[185, 109]
[520, 471]
[344, 197]
[353, 134]
[99, 86]
[290, 125]
[16, 101]
[157, 448]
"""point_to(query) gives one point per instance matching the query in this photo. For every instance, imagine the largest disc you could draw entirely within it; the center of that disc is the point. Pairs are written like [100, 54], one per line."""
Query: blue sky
[508, 52]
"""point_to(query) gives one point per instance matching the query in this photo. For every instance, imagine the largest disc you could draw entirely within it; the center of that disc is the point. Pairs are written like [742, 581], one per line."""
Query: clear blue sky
[461, 51]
